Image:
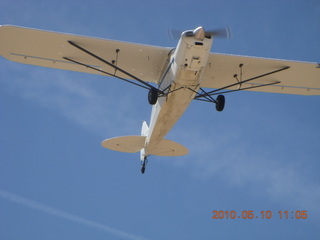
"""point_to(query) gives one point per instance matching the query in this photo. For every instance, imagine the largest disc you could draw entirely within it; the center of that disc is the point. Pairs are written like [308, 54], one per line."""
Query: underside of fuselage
[180, 83]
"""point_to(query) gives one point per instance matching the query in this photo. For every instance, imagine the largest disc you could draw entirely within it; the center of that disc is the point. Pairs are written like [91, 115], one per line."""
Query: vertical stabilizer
[144, 132]
[144, 129]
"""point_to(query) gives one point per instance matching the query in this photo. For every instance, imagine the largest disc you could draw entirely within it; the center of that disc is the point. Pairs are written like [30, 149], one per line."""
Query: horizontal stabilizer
[129, 144]
[168, 148]
[133, 144]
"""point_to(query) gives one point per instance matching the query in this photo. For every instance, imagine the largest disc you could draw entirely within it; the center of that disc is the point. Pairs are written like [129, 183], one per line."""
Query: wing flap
[300, 78]
[47, 49]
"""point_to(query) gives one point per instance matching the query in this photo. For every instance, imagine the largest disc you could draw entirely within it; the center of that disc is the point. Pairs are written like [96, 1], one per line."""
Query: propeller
[200, 33]
[221, 33]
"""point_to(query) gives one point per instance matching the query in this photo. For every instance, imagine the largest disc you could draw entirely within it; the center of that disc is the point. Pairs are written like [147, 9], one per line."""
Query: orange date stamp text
[251, 214]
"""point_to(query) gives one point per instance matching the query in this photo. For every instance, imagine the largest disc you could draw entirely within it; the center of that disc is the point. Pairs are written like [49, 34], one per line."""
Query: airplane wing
[277, 76]
[49, 49]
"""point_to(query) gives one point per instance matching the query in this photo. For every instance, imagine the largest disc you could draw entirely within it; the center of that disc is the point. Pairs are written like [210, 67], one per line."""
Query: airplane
[173, 76]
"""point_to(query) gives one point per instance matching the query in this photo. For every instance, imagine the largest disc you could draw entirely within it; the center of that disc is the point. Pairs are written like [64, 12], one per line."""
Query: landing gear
[153, 96]
[220, 101]
[143, 165]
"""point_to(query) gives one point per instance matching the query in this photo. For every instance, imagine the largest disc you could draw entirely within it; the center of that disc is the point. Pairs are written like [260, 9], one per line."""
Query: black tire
[220, 101]
[153, 96]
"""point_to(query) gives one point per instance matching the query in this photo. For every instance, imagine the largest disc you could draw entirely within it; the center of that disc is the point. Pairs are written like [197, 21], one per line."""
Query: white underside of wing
[47, 49]
[300, 78]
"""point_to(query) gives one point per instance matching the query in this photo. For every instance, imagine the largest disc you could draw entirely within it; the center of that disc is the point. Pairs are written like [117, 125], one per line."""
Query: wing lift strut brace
[142, 84]
[207, 96]
[220, 100]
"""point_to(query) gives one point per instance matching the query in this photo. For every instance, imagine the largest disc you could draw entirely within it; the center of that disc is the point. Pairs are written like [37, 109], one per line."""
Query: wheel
[153, 96]
[220, 101]
[143, 165]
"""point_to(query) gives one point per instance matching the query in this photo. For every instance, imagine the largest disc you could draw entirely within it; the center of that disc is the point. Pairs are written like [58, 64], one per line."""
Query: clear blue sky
[261, 153]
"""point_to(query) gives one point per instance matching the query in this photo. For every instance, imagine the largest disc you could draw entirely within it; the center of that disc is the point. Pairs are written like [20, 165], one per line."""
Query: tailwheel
[143, 165]
[220, 101]
[153, 95]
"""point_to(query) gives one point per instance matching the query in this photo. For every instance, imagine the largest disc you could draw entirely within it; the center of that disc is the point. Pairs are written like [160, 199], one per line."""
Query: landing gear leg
[143, 165]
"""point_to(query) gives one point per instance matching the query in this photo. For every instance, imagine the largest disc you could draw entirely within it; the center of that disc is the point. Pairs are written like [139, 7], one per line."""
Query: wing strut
[99, 70]
[148, 86]
[205, 95]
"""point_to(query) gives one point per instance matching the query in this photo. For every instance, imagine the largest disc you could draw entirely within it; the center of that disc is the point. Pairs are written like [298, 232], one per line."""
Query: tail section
[133, 144]
[144, 133]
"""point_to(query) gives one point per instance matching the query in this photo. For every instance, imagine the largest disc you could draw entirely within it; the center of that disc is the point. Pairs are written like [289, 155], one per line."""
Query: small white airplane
[179, 75]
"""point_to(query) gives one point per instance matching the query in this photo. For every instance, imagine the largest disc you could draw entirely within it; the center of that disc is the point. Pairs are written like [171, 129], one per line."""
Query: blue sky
[260, 153]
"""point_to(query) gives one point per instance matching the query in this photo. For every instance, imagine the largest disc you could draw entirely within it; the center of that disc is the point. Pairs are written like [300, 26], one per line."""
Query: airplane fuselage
[181, 81]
